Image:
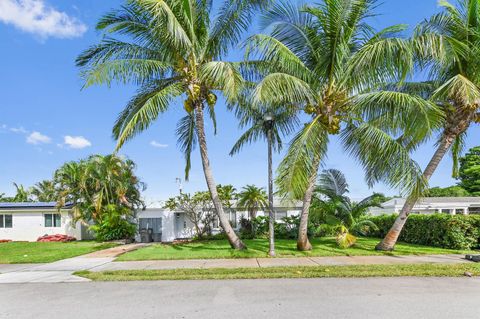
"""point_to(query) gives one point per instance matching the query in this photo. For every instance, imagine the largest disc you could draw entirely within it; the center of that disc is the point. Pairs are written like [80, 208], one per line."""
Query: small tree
[469, 172]
[198, 209]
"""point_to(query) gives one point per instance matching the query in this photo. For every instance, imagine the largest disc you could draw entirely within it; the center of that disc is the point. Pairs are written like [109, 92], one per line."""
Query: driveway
[284, 298]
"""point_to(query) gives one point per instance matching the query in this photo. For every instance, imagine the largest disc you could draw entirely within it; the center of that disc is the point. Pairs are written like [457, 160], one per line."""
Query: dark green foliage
[438, 230]
[451, 191]
[469, 172]
[286, 229]
[114, 224]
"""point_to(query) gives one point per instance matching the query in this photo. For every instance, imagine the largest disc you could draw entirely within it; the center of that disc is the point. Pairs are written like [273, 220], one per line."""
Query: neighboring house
[168, 226]
[28, 221]
[431, 205]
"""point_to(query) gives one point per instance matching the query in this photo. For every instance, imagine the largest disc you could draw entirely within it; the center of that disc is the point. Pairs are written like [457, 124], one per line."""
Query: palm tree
[22, 194]
[253, 199]
[92, 184]
[448, 44]
[268, 123]
[331, 201]
[329, 63]
[172, 49]
[44, 191]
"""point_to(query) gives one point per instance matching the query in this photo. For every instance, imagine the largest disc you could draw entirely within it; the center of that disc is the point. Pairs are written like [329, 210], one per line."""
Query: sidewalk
[62, 271]
[280, 262]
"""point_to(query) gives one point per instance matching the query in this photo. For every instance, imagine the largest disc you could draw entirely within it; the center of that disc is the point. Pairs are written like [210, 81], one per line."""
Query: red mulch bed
[56, 238]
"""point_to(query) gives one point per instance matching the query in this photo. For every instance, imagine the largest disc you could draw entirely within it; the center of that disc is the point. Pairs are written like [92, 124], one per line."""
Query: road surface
[281, 298]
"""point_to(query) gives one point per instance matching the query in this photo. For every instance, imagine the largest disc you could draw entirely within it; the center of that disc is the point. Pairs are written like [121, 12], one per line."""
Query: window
[474, 210]
[6, 221]
[446, 211]
[53, 220]
[280, 215]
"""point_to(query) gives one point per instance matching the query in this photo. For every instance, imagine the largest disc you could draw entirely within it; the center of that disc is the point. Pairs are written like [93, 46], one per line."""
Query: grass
[417, 270]
[34, 252]
[284, 248]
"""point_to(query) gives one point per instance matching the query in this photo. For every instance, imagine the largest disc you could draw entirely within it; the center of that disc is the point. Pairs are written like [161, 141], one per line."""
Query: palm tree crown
[172, 50]
[253, 199]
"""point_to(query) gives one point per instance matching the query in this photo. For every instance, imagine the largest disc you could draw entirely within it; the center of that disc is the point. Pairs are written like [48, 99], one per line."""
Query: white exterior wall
[176, 225]
[168, 225]
[29, 225]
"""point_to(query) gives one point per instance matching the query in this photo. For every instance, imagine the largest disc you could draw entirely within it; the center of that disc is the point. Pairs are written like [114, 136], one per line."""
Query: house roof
[434, 200]
[31, 205]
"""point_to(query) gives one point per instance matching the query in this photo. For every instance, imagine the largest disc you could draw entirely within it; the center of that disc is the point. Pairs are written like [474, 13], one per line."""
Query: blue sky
[46, 119]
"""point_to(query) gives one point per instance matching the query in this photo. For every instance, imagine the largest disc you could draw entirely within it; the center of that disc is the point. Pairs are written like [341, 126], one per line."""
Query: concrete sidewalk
[279, 262]
[62, 270]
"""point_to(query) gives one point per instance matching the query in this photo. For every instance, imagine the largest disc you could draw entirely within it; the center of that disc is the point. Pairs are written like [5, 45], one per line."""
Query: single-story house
[30, 220]
[168, 226]
[431, 205]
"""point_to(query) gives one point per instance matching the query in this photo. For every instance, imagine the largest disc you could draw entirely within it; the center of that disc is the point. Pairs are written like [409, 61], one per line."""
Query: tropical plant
[451, 191]
[270, 124]
[448, 45]
[326, 61]
[115, 224]
[98, 188]
[172, 49]
[43, 191]
[469, 172]
[253, 199]
[198, 209]
[331, 201]
[22, 194]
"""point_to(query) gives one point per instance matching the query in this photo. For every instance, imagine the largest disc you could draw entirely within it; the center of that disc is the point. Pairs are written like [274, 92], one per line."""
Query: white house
[168, 226]
[28, 221]
[431, 205]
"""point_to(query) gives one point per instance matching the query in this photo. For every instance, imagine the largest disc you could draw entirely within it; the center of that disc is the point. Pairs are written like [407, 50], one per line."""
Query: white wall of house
[176, 225]
[432, 205]
[28, 225]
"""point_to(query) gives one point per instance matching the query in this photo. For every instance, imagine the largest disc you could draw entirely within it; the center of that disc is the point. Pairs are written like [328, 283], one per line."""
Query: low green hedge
[438, 230]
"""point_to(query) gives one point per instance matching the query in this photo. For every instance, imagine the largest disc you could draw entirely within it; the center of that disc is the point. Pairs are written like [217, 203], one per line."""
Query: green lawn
[418, 270]
[33, 252]
[284, 248]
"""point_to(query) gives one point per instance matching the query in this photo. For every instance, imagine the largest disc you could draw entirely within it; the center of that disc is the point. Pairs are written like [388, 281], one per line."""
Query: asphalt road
[284, 298]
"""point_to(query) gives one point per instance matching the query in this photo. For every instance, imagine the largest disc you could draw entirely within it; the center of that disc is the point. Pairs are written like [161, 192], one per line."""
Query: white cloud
[77, 142]
[37, 17]
[158, 145]
[38, 138]
[19, 130]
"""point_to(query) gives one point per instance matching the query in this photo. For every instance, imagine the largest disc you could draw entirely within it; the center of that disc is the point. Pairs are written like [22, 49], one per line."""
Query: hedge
[438, 230]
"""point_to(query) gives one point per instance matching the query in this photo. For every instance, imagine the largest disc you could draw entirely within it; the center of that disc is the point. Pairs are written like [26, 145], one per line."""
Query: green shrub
[438, 230]
[114, 224]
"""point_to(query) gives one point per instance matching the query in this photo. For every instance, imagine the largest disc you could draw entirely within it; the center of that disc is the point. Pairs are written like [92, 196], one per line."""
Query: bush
[114, 225]
[438, 230]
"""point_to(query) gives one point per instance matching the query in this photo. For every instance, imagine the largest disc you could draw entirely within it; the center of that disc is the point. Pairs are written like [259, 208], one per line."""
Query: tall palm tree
[268, 123]
[448, 44]
[44, 191]
[172, 49]
[329, 63]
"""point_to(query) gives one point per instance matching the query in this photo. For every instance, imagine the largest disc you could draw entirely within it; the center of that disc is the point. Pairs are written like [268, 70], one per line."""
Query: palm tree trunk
[233, 239]
[388, 243]
[271, 215]
[302, 242]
